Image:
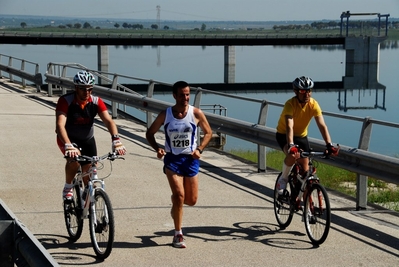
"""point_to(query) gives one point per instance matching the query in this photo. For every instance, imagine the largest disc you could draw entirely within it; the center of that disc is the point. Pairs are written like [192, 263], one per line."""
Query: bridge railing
[22, 71]
[18, 246]
[355, 159]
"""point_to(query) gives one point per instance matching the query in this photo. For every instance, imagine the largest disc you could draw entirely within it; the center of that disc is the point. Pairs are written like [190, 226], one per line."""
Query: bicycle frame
[93, 182]
[316, 209]
[310, 176]
[96, 206]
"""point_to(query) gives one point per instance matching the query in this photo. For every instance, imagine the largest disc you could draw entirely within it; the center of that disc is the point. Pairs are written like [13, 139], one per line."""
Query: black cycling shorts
[88, 148]
[302, 142]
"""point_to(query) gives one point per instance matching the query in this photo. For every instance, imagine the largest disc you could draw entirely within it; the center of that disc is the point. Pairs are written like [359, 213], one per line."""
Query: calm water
[253, 64]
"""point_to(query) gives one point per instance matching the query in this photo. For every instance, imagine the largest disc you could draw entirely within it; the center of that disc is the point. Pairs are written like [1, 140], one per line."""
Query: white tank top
[181, 134]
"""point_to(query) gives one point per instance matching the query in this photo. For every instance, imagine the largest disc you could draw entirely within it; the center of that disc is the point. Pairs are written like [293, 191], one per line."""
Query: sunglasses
[303, 91]
[89, 89]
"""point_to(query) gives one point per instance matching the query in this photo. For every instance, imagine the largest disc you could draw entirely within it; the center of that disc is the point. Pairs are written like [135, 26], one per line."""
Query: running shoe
[178, 241]
[67, 193]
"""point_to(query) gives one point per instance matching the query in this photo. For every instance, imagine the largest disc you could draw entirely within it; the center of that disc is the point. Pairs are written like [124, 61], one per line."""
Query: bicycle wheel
[73, 215]
[102, 228]
[282, 206]
[317, 214]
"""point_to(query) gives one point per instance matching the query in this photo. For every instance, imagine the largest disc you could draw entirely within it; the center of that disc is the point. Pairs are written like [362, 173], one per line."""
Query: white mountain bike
[92, 202]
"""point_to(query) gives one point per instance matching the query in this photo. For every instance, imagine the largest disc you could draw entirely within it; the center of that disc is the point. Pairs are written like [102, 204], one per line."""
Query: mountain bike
[92, 202]
[316, 210]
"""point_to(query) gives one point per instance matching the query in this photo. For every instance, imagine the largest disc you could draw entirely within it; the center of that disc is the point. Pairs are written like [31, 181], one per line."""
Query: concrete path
[232, 224]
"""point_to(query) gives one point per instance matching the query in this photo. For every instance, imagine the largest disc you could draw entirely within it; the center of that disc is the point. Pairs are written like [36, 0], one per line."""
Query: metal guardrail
[355, 159]
[21, 72]
[18, 246]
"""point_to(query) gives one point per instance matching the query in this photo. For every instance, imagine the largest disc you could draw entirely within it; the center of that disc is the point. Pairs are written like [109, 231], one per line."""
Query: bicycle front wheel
[102, 228]
[282, 205]
[317, 214]
[73, 215]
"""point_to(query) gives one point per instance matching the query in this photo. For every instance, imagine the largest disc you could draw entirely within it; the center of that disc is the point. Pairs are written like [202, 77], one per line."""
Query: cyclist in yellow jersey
[292, 127]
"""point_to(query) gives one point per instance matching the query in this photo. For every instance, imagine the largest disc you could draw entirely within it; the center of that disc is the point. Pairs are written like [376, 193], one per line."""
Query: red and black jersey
[80, 119]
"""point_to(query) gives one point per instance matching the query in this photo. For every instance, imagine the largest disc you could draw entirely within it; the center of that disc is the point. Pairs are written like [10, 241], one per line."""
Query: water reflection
[361, 99]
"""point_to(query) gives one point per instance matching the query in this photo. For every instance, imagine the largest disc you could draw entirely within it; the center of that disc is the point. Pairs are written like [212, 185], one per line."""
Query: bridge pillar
[103, 62]
[229, 64]
[362, 62]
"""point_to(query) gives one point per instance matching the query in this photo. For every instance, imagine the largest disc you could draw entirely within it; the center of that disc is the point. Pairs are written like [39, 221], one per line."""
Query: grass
[379, 192]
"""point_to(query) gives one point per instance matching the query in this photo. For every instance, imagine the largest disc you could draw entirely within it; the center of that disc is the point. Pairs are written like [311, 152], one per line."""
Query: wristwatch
[200, 151]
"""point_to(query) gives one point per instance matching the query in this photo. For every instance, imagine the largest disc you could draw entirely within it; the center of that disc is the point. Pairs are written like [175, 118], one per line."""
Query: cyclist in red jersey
[75, 113]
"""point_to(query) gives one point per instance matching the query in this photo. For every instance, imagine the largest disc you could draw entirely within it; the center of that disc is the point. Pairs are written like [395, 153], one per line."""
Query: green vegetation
[139, 29]
[337, 179]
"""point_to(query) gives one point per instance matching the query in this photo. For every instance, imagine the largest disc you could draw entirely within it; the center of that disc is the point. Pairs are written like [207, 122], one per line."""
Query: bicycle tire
[102, 228]
[73, 215]
[317, 214]
[283, 209]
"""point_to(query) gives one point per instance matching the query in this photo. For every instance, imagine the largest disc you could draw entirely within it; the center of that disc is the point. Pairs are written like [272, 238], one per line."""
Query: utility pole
[159, 16]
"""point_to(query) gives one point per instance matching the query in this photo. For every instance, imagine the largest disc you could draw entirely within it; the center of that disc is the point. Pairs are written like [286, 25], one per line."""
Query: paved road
[233, 223]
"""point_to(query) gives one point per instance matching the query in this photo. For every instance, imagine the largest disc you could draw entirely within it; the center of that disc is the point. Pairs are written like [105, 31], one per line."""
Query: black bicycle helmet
[303, 82]
[84, 78]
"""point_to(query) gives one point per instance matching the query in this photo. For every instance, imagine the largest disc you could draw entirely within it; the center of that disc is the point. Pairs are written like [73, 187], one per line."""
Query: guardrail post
[63, 75]
[197, 104]
[150, 94]
[262, 164]
[50, 85]
[23, 69]
[0, 69]
[362, 180]
[10, 65]
[38, 89]
[197, 98]
[113, 103]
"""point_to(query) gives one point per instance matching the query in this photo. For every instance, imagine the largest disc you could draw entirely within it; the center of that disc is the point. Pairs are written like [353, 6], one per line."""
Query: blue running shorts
[182, 164]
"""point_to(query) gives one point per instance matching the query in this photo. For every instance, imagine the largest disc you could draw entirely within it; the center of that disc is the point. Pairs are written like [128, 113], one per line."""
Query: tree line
[124, 25]
[320, 25]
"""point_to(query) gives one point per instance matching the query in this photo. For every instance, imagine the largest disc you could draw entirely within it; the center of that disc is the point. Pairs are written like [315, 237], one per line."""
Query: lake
[253, 64]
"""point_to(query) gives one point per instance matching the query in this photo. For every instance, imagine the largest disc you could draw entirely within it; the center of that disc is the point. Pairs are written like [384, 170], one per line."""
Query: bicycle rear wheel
[282, 206]
[73, 215]
[317, 214]
[102, 228]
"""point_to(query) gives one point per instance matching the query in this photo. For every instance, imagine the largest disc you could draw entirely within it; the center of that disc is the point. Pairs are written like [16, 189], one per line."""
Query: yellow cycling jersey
[301, 116]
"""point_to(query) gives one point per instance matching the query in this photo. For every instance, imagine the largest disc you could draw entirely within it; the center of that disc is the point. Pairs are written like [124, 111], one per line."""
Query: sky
[202, 10]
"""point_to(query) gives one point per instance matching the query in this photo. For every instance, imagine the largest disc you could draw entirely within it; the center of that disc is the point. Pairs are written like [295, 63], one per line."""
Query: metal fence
[355, 159]
[24, 71]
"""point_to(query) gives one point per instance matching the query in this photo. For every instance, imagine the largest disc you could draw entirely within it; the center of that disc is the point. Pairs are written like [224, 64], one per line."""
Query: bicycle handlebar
[94, 159]
[311, 154]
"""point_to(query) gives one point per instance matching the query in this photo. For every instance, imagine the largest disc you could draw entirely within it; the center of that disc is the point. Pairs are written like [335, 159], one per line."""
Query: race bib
[181, 140]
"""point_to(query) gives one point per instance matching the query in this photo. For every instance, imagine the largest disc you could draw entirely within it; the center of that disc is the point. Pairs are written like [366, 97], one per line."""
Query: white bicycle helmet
[84, 78]
[303, 82]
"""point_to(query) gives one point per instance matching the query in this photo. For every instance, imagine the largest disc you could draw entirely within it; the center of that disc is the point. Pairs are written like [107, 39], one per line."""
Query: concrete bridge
[233, 223]
[362, 52]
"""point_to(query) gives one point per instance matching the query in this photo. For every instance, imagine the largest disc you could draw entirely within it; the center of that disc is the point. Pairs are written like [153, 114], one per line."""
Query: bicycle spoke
[317, 214]
[102, 225]
[283, 210]
[72, 216]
